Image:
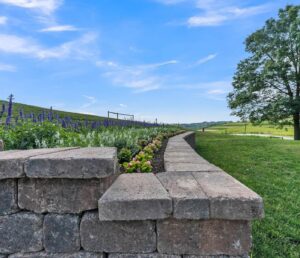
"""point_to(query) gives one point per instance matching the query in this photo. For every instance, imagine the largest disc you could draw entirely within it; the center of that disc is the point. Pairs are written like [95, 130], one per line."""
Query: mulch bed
[158, 160]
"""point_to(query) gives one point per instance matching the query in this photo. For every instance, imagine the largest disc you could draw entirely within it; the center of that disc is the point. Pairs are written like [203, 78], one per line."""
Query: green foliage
[141, 163]
[29, 135]
[267, 83]
[271, 168]
[124, 155]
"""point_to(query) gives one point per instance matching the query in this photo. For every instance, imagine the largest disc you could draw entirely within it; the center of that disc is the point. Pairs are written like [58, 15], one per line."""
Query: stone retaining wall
[44, 194]
[66, 203]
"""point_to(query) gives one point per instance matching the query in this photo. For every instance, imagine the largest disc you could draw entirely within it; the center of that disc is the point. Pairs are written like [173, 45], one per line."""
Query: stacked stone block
[72, 203]
[43, 196]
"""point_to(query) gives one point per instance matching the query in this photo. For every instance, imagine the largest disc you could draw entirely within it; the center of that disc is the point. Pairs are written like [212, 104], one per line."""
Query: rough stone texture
[21, 232]
[191, 167]
[189, 200]
[204, 237]
[1, 149]
[12, 162]
[58, 255]
[58, 195]
[8, 196]
[77, 163]
[229, 199]
[154, 255]
[216, 256]
[3, 256]
[61, 233]
[117, 236]
[135, 197]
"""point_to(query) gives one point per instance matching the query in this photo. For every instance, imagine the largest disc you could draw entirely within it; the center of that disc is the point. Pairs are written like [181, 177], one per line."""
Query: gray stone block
[189, 200]
[81, 254]
[117, 236]
[191, 167]
[153, 255]
[59, 195]
[21, 232]
[61, 233]
[8, 196]
[229, 199]
[204, 237]
[135, 197]
[12, 162]
[77, 163]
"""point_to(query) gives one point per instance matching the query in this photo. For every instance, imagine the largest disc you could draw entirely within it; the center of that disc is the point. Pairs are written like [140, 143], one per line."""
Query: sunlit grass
[265, 128]
[271, 167]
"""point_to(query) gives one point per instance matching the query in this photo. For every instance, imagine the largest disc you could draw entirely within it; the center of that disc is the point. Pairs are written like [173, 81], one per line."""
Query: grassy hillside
[197, 126]
[271, 168]
[239, 127]
[37, 110]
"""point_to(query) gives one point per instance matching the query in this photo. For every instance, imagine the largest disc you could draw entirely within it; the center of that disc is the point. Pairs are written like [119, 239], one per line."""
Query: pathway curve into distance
[264, 135]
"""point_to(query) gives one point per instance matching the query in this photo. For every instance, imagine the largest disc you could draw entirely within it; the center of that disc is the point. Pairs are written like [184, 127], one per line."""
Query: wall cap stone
[135, 197]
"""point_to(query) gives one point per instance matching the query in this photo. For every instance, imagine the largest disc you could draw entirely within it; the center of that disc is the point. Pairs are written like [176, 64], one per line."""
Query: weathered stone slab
[189, 200]
[192, 159]
[191, 167]
[12, 162]
[135, 197]
[21, 232]
[203, 237]
[8, 196]
[61, 233]
[154, 255]
[59, 195]
[229, 199]
[77, 163]
[117, 236]
[58, 255]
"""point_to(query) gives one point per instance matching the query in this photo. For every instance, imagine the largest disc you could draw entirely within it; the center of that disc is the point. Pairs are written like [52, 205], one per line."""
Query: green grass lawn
[270, 167]
[265, 128]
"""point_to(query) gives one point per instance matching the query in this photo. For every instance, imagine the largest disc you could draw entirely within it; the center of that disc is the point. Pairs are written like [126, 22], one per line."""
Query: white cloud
[206, 59]
[3, 20]
[140, 78]
[215, 12]
[90, 101]
[123, 105]
[7, 68]
[44, 6]
[59, 28]
[216, 92]
[77, 49]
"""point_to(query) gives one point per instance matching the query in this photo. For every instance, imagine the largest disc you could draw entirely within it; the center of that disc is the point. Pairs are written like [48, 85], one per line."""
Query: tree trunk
[297, 126]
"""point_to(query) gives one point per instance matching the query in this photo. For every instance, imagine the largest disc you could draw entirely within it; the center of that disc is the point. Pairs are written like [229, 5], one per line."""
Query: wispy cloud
[123, 105]
[59, 28]
[3, 20]
[90, 101]
[215, 13]
[216, 92]
[206, 59]
[7, 68]
[140, 78]
[77, 49]
[44, 6]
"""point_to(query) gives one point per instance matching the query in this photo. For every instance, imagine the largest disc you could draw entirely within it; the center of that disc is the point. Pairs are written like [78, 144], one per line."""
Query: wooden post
[1, 145]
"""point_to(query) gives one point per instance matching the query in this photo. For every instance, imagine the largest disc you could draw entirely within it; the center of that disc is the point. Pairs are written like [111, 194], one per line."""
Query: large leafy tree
[267, 83]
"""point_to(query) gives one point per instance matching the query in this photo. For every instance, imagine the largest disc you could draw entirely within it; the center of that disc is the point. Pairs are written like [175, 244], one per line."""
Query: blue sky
[166, 59]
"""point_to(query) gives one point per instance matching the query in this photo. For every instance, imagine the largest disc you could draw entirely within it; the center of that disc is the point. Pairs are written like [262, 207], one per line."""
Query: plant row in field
[8, 119]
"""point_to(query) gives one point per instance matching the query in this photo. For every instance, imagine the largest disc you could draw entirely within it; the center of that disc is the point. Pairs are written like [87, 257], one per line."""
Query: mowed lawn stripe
[270, 167]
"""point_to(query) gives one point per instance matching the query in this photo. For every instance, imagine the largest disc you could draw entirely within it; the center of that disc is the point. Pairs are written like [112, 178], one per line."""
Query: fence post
[1, 145]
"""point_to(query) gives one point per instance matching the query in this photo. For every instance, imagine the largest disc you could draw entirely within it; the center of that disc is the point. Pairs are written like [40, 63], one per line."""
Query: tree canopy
[266, 85]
